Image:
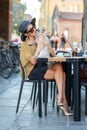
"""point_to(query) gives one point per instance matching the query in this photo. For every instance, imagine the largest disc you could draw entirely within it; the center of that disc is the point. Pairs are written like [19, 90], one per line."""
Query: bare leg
[64, 93]
[59, 76]
[65, 107]
[59, 82]
[57, 73]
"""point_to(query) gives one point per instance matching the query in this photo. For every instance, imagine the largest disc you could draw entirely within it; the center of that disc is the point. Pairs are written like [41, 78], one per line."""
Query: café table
[76, 61]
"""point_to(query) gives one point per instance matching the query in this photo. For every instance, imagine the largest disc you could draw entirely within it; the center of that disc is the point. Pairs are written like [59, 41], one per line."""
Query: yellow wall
[49, 6]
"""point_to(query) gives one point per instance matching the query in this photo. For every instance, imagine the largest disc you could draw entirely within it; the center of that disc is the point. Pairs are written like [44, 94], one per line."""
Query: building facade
[63, 16]
[48, 17]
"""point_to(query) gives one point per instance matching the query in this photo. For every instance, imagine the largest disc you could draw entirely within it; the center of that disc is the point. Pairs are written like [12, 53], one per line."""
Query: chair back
[22, 69]
[83, 71]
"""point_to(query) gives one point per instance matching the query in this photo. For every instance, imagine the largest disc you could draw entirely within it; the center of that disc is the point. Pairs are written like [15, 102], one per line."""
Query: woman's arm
[51, 51]
[58, 45]
[33, 60]
[37, 52]
[68, 45]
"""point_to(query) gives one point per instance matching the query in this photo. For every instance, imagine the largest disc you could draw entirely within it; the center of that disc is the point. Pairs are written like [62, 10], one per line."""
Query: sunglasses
[31, 30]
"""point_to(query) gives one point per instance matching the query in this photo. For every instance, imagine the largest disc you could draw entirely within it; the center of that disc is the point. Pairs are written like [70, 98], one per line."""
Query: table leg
[68, 84]
[39, 98]
[77, 93]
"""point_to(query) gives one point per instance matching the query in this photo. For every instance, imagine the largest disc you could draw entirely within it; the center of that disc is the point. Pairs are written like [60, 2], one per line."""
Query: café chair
[33, 93]
[36, 83]
[83, 81]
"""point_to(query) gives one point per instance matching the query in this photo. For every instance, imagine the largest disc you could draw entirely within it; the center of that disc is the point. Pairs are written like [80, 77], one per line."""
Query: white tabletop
[62, 58]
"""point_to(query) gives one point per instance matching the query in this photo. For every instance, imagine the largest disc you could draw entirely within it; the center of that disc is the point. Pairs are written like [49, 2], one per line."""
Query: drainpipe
[84, 26]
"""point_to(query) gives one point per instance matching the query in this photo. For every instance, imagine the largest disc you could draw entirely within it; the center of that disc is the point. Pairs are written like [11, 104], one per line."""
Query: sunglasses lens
[31, 30]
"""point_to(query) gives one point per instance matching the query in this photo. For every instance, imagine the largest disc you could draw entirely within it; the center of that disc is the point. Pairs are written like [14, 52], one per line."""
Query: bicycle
[5, 63]
[14, 53]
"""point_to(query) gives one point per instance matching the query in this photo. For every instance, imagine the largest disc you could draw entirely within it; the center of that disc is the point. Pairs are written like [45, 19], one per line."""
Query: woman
[28, 55]
[64, 44]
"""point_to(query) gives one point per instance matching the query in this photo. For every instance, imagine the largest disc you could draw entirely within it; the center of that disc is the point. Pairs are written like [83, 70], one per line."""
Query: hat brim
[33, 21]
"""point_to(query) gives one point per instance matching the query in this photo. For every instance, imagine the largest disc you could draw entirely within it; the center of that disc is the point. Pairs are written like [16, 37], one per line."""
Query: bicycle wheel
[15, 56]
[6, 70]
[14, 53]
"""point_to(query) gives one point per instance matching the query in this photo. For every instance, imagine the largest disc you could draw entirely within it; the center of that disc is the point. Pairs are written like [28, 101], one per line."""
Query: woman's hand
[51, 51]
[33, 60]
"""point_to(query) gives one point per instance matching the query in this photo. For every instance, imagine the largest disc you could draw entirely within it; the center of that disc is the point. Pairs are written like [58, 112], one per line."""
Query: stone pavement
[27, 119]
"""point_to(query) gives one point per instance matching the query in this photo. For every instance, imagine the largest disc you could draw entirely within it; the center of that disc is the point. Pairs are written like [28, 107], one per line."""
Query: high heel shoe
[58, 102]
[65, 112]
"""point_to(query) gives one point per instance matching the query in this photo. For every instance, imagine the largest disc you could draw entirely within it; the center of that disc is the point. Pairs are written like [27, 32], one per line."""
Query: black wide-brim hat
[23, 26]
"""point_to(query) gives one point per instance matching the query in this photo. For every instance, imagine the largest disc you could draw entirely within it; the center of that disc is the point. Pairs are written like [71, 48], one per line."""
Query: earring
[27, 38]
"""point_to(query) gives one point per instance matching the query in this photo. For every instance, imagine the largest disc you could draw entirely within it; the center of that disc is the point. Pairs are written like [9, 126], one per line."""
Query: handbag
[83, 70]
[63, 53]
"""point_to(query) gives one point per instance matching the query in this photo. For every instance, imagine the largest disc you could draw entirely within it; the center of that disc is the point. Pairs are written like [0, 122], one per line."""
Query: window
[70, 8]
[66, 33]
[76, 8]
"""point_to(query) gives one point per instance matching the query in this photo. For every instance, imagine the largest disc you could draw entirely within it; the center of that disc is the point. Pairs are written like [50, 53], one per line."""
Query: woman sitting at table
[64, 44]
[28, 55]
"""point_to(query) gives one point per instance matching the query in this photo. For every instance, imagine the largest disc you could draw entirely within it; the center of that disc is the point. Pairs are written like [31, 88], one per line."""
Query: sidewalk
[27, 119]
